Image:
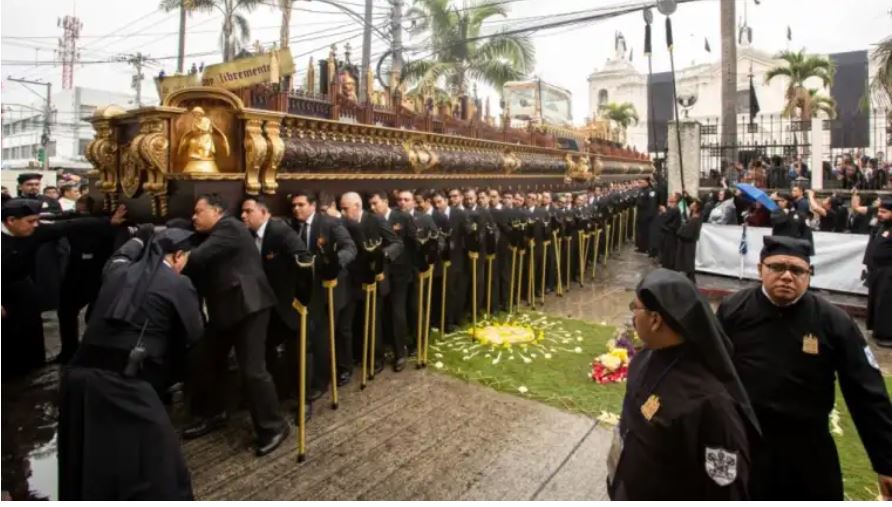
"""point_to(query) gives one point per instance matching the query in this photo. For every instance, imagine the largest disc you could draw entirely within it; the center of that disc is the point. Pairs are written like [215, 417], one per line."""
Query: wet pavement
[409, 435]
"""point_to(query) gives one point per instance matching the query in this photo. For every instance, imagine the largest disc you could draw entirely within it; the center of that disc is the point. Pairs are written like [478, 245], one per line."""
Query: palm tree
[822, 103]
[622, 114]
[800, 67]
[881, 85]
[459, 53]
[285, 30]
[233, 20]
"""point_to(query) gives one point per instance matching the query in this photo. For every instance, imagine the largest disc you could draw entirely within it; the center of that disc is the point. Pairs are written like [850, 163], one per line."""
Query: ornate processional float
[250, 133]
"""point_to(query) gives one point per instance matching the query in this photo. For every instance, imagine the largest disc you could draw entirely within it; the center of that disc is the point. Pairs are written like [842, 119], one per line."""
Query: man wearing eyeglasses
[789, 345]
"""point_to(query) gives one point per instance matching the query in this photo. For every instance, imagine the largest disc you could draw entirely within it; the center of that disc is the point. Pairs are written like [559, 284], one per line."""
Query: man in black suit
[323, 233]
[537, 218]
[452, 222]
[401, 273]
[280, 248]
[228, 274]
[377, 246]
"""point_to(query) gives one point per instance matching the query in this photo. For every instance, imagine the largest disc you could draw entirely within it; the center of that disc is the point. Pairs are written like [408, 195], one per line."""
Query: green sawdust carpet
[555, 367]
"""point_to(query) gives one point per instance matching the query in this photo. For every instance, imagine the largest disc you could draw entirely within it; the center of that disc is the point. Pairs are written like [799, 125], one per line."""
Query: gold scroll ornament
[250, 71]
[102, 151]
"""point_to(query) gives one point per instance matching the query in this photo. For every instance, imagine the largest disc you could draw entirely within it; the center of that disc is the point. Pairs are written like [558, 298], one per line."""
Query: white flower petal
[523, 389]
[438, 365]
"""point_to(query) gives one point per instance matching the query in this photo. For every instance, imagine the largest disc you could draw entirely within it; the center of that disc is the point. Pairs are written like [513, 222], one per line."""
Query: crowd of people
[172, 305]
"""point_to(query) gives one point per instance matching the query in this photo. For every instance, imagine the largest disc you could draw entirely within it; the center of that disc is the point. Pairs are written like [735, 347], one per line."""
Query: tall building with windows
[69, 133]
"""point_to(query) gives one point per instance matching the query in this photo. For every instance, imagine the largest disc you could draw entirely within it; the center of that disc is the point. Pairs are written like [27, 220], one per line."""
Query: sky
[564, 57]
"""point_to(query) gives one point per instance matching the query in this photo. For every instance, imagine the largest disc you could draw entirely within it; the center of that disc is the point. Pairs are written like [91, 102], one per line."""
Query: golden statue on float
[199, 141]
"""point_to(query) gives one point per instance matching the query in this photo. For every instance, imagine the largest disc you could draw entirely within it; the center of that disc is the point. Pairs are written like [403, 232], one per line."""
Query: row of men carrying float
[263, 290]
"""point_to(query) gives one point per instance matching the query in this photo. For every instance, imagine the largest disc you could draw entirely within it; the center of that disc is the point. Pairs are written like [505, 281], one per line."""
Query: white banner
[837, 259]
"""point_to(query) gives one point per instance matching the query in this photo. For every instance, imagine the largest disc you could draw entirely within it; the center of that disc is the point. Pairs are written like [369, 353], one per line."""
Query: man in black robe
[789, 347]
[670, 222]
[52, 257]
[688, 234]
[878, 261]
[116, 441]
[646, 204]
[23, 235]
[687, 424]
[452, 222]
[228, 273]
[790, 223]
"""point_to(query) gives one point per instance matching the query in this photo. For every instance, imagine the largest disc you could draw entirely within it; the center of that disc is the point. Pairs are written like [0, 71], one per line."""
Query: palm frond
[494, 72]
[191, 5]
[518, 50]
[482, 11]
[244, 29]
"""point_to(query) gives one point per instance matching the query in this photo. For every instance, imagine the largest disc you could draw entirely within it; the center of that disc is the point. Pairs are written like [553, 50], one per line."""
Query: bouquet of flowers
[613, 366]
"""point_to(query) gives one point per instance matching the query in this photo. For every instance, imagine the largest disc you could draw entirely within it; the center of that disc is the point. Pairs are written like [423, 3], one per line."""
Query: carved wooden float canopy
[204, 134]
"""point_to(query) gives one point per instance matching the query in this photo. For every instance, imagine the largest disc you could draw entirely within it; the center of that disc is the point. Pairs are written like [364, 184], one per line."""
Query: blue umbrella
[754, 194]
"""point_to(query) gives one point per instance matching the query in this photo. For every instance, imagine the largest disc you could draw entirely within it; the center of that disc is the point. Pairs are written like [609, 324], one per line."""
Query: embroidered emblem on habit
[650, 407]
[871, 359]
[810, 344]
[886, 234]
[721, 465]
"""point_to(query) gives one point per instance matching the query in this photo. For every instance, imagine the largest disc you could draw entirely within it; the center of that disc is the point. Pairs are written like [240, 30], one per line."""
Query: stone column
[690, 152]
[816, 163]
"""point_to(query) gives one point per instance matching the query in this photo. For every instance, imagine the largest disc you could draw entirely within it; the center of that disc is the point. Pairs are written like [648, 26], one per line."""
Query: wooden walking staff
[419, 335]
[568, 242]
[613, 237]
[513, 276]
[474, 256]
[597, 235]
[557, 262]
[634, 224]
[302, 382]
[330, 285]
[427, 313]
[607, 244]
[520, 277]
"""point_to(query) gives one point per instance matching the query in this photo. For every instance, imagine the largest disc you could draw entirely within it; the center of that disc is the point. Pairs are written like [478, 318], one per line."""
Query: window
[602, 98]
[82, 146]
[6, 153]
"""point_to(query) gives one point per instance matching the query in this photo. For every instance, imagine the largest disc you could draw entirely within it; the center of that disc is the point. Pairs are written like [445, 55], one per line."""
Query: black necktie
[303, 233]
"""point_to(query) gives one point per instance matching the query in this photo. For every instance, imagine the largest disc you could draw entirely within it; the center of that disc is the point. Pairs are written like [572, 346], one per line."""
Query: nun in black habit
[687, 424]
[878, 259]
[670, 223]
[688, 234]
[116, 441]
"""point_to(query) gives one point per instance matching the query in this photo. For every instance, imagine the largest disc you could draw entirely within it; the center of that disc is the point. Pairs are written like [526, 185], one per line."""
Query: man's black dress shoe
[205, 426]
[269, 444]
[399, 364]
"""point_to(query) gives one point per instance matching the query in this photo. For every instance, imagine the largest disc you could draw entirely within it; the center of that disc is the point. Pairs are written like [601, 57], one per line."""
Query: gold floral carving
[102, 152]
[422, 157]
[578, 169]
[274, 156]
[153, 149]
[131, 168]
[255, 155]
[510, 162]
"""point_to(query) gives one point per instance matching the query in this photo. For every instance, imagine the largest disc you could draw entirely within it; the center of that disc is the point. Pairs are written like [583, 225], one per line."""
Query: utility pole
[396, 29]
[366, 89]
[729, 82]
[181, 55]
[47, 112]
[137, 60]
[67, 50]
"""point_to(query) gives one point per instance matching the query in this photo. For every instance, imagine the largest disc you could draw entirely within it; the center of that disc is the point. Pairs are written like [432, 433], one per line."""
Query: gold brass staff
[545, 245]
[597, 235]
[634, 223]
[513, 276]
[622, 219]
[615, 231]
[423, 308]
[474, 256]
[607, 244]
[581, 253]
[378, 279]
[557, 261]
[330, 285]
[568, 241]
[520, 277]
[531, 287]
[446, 265]
[489, 260]
[368, 289]
[301, 383]
[427, 313]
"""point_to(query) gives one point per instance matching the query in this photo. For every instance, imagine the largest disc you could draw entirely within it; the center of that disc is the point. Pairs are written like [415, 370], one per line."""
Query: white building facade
[23, 127]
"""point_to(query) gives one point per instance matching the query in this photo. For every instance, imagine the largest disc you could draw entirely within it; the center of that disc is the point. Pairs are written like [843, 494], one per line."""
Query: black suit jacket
[278, 249]
[370, 227]
[403, 267]
[228, 273]
[329, 229]
[456, 224]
